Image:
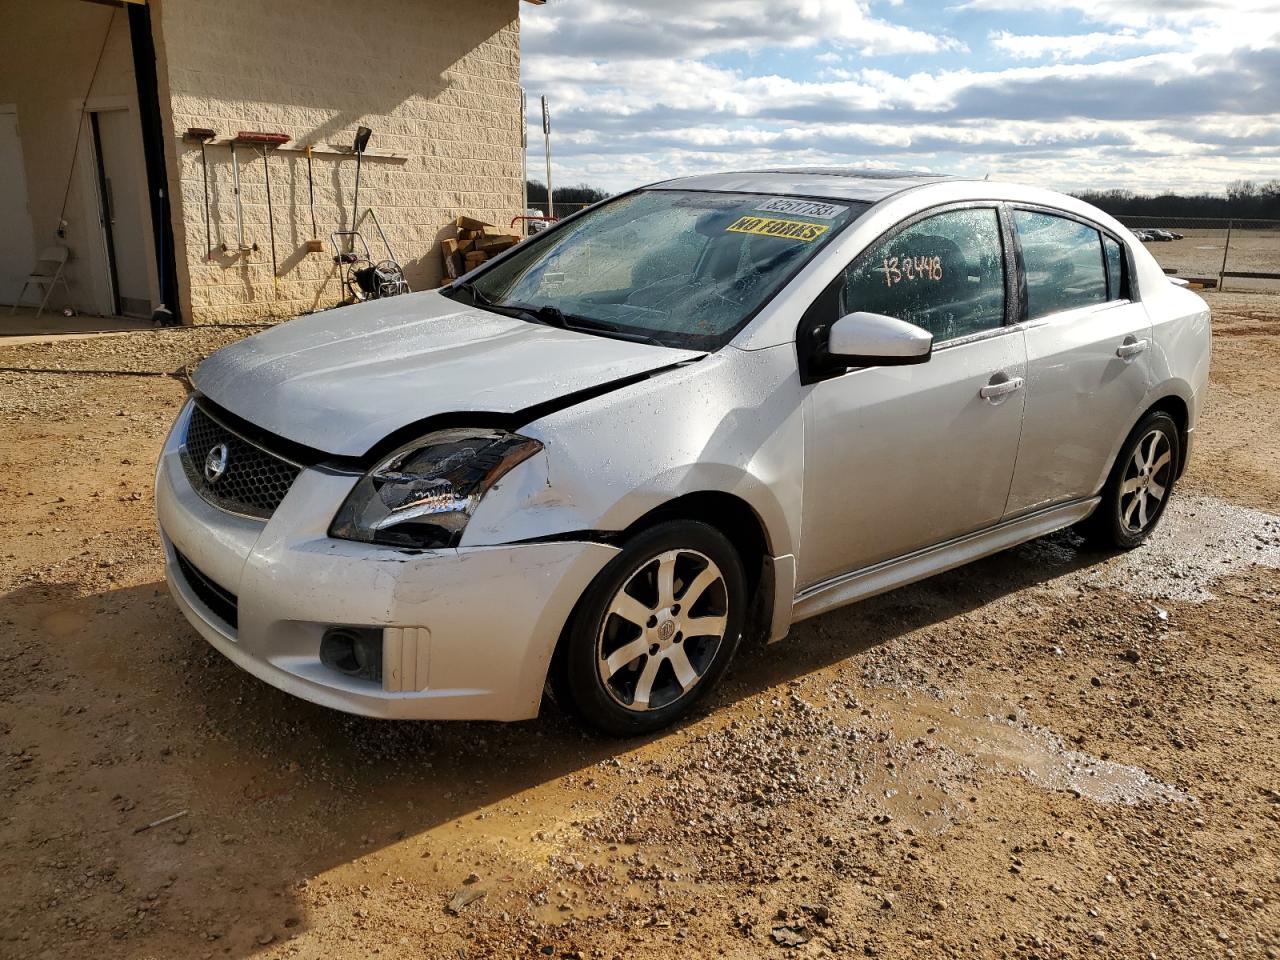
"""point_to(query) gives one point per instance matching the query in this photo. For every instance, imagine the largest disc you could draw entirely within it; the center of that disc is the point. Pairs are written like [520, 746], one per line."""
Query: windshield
[680, 268]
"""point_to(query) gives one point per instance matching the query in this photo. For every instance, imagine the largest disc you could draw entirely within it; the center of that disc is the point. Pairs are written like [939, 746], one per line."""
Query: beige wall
[436, 80]
[47, 55]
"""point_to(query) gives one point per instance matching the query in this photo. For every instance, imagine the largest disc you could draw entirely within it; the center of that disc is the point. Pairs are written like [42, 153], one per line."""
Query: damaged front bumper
[465, 633]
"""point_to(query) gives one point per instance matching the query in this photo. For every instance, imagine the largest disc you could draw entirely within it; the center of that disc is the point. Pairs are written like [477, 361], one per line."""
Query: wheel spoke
[1156, 490]
[666, 580]
[698, 587]
[1130, 485]
[1139, 462]
[1129, 510]
[644, 685]
[624, 655]
[1161, 462]
[1153, 448]
[630, 609]
[705, 626]
[1142, 509]
[683, 668]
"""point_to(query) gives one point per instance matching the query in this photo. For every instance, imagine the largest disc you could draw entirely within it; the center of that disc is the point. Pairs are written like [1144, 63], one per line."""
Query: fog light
[353, 651]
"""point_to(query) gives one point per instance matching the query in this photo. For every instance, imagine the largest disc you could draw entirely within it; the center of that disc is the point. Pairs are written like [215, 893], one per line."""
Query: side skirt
[890, 574]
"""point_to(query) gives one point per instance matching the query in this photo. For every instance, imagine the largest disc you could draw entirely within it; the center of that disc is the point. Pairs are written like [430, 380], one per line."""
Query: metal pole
[546, 135]
[355, 203]
[271, 222]
[311, 194]
[1225, 248]
[208, 236]
[235, 172]
[524, 161]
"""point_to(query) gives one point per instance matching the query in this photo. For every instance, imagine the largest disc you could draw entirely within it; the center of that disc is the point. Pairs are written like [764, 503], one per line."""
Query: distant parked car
[710, 407]
[1143, 235]
[1162, 236]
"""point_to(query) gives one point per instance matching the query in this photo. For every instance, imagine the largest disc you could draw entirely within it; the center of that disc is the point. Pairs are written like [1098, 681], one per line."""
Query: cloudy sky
[1144, 94]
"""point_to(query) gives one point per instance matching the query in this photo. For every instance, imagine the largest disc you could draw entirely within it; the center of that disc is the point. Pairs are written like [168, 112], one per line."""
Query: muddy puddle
[1200, 540]
[956, 741]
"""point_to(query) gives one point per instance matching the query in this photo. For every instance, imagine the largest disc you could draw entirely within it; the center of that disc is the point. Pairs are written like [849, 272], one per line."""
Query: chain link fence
[1238, 255]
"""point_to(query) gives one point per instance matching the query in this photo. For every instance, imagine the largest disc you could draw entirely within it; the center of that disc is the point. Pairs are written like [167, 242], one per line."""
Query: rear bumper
[483, 621]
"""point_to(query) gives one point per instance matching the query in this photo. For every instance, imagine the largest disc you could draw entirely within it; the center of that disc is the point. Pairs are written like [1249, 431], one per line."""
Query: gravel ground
[1047, 754]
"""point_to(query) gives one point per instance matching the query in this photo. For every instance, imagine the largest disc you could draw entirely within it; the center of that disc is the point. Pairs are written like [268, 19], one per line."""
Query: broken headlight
[424, 493]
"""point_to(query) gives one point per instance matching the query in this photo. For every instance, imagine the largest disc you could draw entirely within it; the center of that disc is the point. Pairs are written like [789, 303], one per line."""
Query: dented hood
[342, 380]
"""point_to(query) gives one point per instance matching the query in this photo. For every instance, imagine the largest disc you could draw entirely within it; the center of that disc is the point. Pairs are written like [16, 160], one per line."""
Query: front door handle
[997, 390]
[1131, 347]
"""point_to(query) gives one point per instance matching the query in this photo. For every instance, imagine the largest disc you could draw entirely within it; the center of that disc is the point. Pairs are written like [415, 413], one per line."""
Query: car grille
[222, 603]
[253, 481]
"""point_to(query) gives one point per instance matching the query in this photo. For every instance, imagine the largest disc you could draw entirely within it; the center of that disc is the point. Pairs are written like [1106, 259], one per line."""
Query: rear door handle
[1131, 348]
[998, 389]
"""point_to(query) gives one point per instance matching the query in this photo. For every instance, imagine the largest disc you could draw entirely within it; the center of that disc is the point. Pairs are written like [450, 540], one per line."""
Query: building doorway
[117, 158]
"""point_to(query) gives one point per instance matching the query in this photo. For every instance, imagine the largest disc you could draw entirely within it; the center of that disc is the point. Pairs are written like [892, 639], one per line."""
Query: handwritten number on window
[907, 267]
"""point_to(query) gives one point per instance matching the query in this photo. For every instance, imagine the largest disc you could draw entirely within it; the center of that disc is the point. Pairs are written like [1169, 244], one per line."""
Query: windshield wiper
[590, 325]
[477, 298]
[553, 316]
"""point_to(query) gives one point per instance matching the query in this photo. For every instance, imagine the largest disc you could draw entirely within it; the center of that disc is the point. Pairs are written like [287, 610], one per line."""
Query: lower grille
[221, 602]
[230, 472]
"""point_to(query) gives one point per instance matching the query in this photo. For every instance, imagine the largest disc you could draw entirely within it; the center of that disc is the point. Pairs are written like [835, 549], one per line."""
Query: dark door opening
[144, 72]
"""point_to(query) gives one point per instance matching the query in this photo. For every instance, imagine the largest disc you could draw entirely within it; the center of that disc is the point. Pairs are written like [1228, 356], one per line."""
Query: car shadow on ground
[279, 790]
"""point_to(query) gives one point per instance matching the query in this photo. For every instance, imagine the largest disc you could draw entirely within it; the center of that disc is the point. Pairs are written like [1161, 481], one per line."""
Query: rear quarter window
[1114, 254]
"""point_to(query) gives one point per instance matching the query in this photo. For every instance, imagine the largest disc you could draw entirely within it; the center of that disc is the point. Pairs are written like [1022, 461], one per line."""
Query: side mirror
[874, 340]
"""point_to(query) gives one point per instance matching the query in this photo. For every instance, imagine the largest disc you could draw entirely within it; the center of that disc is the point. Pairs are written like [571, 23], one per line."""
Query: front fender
[730, 424]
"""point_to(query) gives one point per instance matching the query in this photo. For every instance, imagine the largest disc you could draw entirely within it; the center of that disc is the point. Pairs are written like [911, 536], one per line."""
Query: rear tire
[1139, 487]
[654, 631]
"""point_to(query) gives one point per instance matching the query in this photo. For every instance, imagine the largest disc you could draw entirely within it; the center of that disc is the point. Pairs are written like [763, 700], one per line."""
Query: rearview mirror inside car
[874, 340]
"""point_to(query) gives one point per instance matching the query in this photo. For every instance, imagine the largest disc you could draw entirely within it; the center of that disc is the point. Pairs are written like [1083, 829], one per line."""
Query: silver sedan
[706, 408]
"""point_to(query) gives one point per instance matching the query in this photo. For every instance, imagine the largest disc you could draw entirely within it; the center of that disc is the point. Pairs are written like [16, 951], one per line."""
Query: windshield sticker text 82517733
[907, 267]
[785, 229]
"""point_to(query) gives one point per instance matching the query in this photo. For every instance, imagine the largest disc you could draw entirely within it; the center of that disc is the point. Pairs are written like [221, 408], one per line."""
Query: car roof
[836, 183]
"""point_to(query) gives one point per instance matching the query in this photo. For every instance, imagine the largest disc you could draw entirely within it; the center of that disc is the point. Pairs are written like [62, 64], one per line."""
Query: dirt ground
[1047, 754]
[1200, 254]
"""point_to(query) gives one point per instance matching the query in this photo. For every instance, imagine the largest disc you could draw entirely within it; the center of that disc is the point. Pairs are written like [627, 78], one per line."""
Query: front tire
[654, 631]
[1140, 485]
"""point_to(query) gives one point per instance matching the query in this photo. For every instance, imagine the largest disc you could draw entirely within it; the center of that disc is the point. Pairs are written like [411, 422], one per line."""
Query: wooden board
[470, 223]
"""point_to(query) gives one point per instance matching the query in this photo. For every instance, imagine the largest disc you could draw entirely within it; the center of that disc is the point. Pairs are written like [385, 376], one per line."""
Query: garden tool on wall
[263, 142]
[361, 142]
[315, 244]
[235, 177]
[203, 135]
[362, 277]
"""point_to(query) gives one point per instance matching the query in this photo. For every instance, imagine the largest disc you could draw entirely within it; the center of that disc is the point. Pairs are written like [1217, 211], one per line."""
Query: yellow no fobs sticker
[786, 229]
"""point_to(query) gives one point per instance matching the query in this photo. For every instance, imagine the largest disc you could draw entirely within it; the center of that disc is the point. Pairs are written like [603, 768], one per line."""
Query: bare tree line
[1242, 199]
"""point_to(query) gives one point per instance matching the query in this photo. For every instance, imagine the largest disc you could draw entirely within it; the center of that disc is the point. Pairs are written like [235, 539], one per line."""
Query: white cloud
[1081, 45]
[646, 93]
[698, 28]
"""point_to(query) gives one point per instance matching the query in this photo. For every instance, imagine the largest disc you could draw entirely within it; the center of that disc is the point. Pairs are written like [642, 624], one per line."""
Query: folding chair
[48, 273]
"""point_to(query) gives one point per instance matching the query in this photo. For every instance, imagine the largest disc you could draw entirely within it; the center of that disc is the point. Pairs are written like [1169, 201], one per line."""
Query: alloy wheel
[1146, 481]
[662, 630]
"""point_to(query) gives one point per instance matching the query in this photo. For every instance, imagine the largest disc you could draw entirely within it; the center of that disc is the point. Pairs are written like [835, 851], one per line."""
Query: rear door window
[1062, 259]
[944, 273]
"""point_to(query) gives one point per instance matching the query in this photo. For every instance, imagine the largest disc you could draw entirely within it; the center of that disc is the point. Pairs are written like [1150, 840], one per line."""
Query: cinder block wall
[437, 82]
